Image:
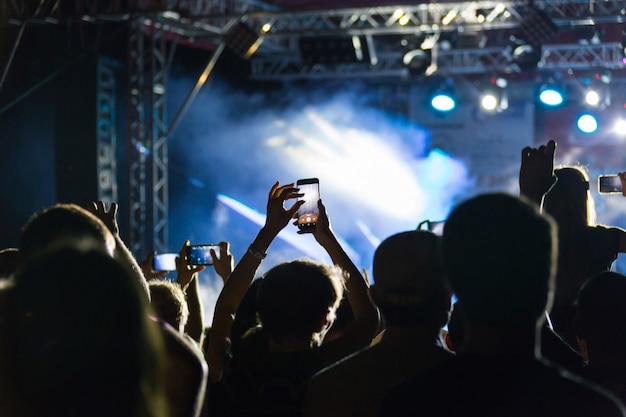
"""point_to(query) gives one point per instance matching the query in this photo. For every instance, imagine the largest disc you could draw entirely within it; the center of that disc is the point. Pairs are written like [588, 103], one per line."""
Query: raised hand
[185, 272]
[536, 176]
[277, 215]
[146, 267]
[224, 263]
[109, 218]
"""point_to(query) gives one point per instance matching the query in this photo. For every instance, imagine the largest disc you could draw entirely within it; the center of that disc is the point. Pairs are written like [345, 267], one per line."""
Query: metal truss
[106, 165]
[138, 137]
[453, 62]
[147, 133]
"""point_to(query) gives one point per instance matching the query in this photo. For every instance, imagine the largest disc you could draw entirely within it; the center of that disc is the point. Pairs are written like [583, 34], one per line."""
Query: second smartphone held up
[308, 212]
[201, 254]
[609, 184]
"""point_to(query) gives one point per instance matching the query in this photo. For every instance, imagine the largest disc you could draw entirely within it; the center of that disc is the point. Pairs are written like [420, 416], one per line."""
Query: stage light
[620, 127]
[551, 96]
[536, 28]
[592, 98]
[242, 40]
[443, 101]
[587, 123]
[526, 56]
[489, 101]
[417, 61]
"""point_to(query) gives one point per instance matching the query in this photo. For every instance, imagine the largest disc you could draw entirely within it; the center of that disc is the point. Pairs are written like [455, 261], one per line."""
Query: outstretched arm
[243, 274]
[187, 278]
[536, 176]
[362, 330]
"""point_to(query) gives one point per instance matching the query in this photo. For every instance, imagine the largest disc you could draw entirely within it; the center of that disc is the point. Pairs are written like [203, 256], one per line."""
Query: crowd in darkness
[538, 327]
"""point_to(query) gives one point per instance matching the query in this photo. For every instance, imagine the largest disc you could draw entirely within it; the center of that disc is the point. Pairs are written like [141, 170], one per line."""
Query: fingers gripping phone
[201, 254]
[308, 212]
[609, 184]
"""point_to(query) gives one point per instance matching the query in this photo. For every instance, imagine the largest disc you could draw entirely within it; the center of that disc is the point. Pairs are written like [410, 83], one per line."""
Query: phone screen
[201, 254]
[308, 212]
[609, 184]
[164, 262]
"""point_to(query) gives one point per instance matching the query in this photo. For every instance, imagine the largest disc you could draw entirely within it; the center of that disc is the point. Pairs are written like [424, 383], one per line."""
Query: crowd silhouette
[538, 328]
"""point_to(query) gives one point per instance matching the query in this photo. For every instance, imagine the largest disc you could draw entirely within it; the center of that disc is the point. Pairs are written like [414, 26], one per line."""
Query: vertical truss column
[138, 138]
[159, 135]
[148, 153]
[105, 135]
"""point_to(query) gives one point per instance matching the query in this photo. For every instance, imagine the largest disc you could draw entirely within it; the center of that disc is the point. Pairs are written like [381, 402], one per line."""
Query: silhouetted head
[500, 257]
[8, 261]
[168, 302]
[79, 339]
[601, 314]
[63, 224]
[298, 299]
[569, 202]
[409, 286]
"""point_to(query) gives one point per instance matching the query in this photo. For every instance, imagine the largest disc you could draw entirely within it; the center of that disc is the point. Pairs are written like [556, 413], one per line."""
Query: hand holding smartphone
[309, 211]
[200, 254]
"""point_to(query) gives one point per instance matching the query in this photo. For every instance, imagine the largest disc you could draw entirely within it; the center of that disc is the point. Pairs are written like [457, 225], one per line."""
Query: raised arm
[536, 176]
[187, 278]
[122, 253]
[237, 284]
[362, 330]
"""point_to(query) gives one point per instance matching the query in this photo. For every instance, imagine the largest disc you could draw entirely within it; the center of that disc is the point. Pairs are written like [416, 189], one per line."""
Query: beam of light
[355, 162]
[288, 234]
[367, 232]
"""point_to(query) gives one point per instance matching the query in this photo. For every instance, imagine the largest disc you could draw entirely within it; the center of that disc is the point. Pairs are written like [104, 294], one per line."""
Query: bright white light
[443, 102]
[587, 123]
[404, 20]
[551, 97]
[592, 98]
[489, 102]
[620, 127]
[360, 162]
[266, 27]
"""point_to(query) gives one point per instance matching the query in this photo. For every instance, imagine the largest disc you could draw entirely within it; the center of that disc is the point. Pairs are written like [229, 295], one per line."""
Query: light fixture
[526, 56]
[242, 40]
[417, 61]
[592, 97]
[443, 101]
[535, 29]
[551, 95]
[494, 97]
[587, 123]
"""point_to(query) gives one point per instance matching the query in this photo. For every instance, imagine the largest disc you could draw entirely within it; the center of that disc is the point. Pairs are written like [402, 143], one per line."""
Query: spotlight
[535, 29]
[592, 98]
[242, 40]
[495, 98]
[526, 56]
[417, 61]
[620, 127]
[443, 100]
[587, 123]
[489, 101]
[551, 95]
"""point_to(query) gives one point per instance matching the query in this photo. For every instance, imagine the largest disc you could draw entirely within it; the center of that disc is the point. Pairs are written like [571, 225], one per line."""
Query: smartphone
[164, 262]
[609, 184]
[201, 254]
[308, 212]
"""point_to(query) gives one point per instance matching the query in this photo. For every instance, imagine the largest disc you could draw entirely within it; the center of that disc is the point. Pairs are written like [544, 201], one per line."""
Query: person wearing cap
[411, 294]
[500, 256]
